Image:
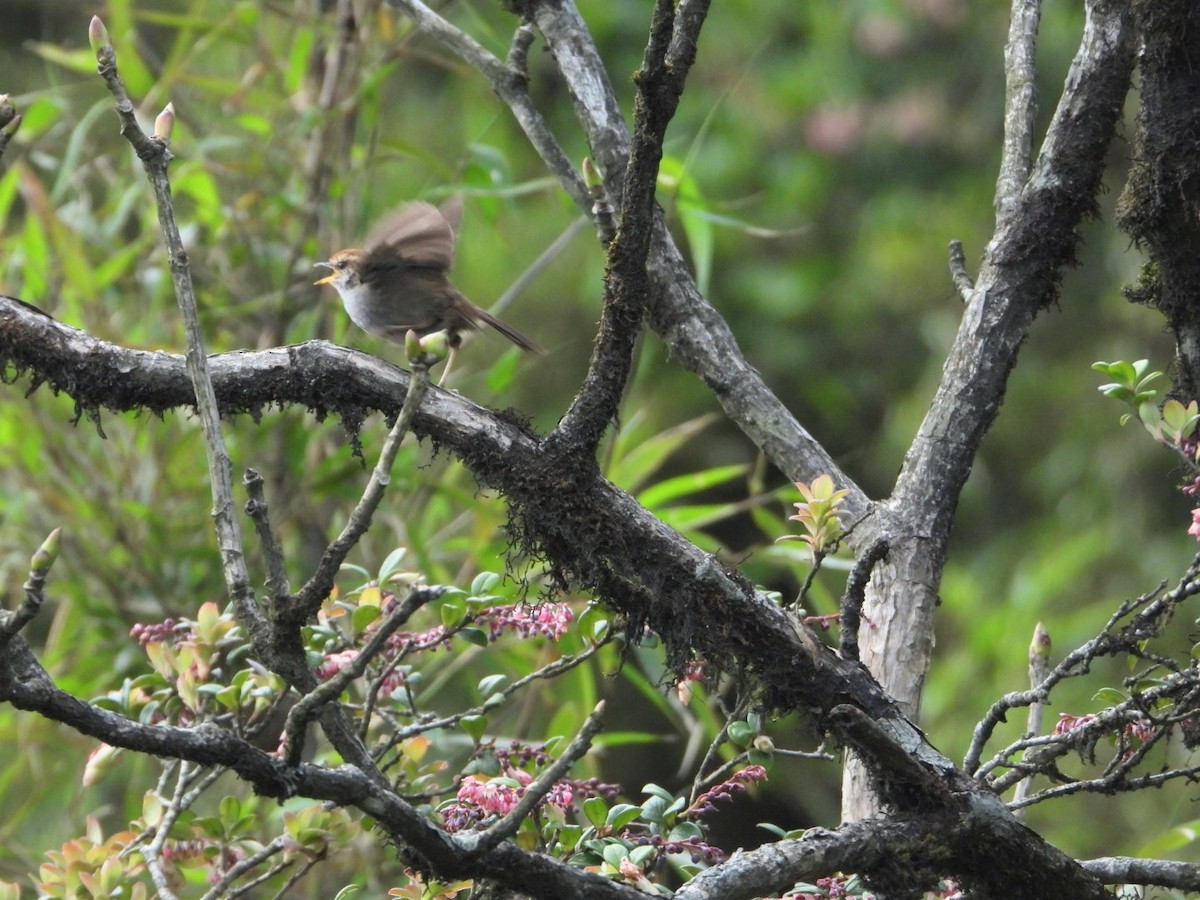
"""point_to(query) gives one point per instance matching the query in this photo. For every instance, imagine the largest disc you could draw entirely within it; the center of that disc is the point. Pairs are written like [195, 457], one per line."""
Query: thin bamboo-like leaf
[632, 468]
[692, 483]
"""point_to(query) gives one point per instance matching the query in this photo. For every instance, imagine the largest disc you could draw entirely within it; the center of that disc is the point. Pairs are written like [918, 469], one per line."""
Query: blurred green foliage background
[822, 158]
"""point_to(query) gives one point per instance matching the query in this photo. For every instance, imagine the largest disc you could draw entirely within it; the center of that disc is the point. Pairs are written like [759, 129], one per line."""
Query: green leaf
[678, 184]
[658, 791]
[1120, 370]
[741, 733]
[484, 582]
[634, 460]
[41, 114]
[1150, 417]
[492, 684]
[654, 809]
[453, 611]
[596, 810]
[641, 856]
[1117, 392]
[476, 636]
[1167, 842]
[391, 564]
[626, 738]
[299, 58]
[1109, 695]
[82, 61]
[614, 853]
[685, 831]
[362, 617]
[474, 726]
[503, 372]
[621, 815]
[230, 809]
[762, 758]
[593, 623]
[690, 483]
[569, 835]
[1179, 420]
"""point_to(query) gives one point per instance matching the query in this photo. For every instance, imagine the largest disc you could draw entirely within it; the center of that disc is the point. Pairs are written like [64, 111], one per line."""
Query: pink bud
[165, 123]
[98, 38]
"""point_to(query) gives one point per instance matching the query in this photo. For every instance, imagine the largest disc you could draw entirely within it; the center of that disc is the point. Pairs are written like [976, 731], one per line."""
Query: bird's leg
[454, 339]
[449, 363]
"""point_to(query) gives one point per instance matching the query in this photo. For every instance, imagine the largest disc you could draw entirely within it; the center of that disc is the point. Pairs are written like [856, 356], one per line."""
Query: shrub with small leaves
[819, 514]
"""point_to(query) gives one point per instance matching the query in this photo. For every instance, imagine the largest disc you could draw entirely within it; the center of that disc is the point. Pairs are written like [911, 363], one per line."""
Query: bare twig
[602, 207]
[43, 559]
[153, 152]
[1020, 83]
[852, 599]
[1039, 669]
[550, 670]
[1154, 609]
[958, 272]
[256, 508]
[309, 598]
[182, 797]
[669, 54]
[518, 52]
[1181, 876]
[509, 85]
[242, 866]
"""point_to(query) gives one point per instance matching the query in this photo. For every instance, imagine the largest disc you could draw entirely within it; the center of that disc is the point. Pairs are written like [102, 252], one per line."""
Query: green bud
[591, 175]
[1039, 647]
[436, 345]
[46, 554]
[412, 346]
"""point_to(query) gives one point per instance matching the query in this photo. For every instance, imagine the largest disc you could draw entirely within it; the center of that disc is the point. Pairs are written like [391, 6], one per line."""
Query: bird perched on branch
[399, 281]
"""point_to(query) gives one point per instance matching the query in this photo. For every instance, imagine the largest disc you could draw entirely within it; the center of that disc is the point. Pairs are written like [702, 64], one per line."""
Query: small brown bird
[400, 280]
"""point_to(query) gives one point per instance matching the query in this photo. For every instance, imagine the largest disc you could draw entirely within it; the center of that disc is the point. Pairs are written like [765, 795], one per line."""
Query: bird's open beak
[328, 278]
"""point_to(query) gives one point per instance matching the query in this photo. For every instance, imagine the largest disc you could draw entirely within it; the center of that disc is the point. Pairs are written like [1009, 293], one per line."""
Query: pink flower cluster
[494, 796]
[436, 638]
[478, 798]
[1067, 722]
[335, 662]
[549, 620]
[546, 619]
[1137, 731]
[726, 790]
[153, 634]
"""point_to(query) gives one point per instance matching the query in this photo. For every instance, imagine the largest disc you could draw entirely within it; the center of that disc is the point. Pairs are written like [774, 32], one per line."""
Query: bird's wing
[418, 233]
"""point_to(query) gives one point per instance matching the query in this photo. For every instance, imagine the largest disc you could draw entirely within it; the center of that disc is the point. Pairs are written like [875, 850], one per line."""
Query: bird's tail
[508, 331]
